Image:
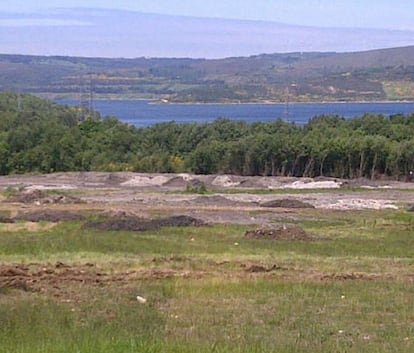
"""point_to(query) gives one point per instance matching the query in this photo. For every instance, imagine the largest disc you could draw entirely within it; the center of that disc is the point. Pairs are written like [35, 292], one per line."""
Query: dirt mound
[142, 224]
[120, 213]
[179, 221]
[196, 183]
[4, 219]
[248, 184]
[177, 181]
[40, 197]
[49, 278]
[146, 181]
[260, 268]
[14, 277]
[184, 181]
[279, 232]
[62, 199]
[410, 208]
[114, 179]
[286, 203]
[215, 200]
[225, 181]
[27, 197]
[49, 216]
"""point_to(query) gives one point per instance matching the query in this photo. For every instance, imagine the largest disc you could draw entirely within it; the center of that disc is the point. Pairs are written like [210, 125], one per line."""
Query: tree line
[41, 136]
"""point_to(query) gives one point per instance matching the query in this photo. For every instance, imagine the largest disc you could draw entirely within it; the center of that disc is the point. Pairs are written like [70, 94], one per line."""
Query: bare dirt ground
[63, 281]
[231, 199]
[67, 283]
[135, 200]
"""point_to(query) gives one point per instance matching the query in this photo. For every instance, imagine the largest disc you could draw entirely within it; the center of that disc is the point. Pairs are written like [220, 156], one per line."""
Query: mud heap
[143, 224]
[279, 232]
[40, 197]
[286, 203]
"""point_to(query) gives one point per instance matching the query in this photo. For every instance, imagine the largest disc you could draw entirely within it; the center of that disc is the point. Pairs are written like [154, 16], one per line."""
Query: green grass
[226, 309]
[286, 316]
[363, 235]
[39, 325]
[218, 315]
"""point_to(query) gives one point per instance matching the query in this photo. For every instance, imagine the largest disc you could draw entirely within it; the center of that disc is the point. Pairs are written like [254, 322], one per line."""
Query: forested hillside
[40, 136]
[375, 75]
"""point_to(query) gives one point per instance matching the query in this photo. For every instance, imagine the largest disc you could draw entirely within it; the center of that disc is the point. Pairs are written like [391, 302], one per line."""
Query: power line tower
[286, 111]
[86, 97]
[19, 102]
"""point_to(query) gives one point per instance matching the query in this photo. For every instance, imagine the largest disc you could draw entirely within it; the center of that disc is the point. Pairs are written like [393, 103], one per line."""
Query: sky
[389, 14]
[209, 29]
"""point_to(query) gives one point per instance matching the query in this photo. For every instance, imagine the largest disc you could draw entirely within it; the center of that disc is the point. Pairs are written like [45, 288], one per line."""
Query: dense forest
[41, 136]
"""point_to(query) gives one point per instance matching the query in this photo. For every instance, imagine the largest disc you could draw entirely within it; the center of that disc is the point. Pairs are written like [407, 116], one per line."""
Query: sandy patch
[360, 204]
[301, 185]
[142, 181]
[50, 187]
[224, 181]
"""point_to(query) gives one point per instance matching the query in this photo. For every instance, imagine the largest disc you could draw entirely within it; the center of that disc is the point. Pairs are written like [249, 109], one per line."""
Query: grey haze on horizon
[129, 34]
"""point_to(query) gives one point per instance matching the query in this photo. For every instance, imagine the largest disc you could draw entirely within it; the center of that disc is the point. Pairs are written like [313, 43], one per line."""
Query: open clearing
[126, 262]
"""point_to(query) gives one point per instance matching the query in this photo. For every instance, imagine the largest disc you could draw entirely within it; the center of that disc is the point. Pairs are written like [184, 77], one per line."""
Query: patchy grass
[104, 324]
[26, 226]
[294, 317]
[217, 315]
[349, 290]
[371, 233]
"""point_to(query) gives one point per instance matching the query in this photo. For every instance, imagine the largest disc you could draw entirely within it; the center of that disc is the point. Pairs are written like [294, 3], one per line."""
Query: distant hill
[93, 32]
[386, 74]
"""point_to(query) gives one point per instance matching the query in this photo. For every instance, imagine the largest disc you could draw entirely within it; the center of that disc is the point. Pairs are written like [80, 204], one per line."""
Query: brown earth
[279, 232]
[61, 280]
[287, 203]
[256, 201]
[40, 197]
[169, 192]
[70, 283]
[4, 219]
[141, 224]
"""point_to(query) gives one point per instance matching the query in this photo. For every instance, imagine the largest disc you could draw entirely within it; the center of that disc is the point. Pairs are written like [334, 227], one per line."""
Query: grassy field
[349, 288]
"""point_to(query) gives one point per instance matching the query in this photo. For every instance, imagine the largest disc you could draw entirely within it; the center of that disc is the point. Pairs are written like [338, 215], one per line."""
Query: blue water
[144, 113]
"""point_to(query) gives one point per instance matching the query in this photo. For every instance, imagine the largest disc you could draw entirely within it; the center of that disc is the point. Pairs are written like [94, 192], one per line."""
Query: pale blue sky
[211, 28]
[390, 14]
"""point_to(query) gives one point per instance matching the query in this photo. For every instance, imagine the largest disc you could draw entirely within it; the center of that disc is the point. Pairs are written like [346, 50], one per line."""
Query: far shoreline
[159, 102]
[276, 103]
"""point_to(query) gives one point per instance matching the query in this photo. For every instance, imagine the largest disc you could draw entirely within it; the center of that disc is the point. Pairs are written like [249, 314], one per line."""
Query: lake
[144, 113]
